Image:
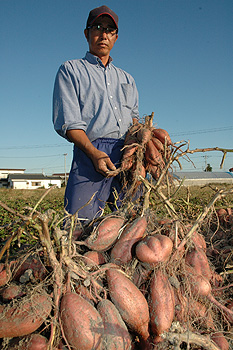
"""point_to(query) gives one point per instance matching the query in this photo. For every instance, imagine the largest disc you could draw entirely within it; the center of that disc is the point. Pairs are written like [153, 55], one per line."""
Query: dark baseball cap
[99, 11]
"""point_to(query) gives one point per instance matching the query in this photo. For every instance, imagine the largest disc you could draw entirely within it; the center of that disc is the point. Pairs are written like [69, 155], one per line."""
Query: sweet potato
[220, 340]
[162, 135]
[105, 234]
[158, 144]
[85, 293]
[198, 260]
[127, 163]
[35, 342]
[93, 257]
[198, 241]
[33, 263]
[154, 249]
[144, 135]
[129, 301]
[154, 170]
[4, 275]
[199, 314]
[116, 335]
[122, 251]
[152, 155]
[199, 285]
[82, 324]
[12, 291]
[25, 316]
[161, 304]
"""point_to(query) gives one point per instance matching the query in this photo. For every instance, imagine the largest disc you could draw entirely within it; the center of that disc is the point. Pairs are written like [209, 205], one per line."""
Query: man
[94, 104]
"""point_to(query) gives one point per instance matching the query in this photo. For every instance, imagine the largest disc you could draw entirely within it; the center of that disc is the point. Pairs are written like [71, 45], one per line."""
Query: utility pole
[65, 154]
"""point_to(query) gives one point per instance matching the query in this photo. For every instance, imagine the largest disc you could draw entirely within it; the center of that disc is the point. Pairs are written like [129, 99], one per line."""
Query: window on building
[34, 183]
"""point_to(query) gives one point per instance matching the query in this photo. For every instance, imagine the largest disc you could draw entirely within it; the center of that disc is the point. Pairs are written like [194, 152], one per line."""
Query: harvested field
[157, 274]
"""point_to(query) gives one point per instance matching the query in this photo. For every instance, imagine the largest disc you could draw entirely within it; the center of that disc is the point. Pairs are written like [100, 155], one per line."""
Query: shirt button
[108, 83]
[110, 96]
[115, 107]
[119, 120]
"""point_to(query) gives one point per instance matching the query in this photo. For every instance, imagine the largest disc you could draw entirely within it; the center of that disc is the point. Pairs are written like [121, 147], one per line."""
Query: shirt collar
[96, 60]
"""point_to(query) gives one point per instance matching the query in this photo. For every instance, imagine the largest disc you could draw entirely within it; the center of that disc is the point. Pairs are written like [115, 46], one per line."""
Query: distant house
[32, 181]
[17, 179]
[5, 172]
[200, 178]
[64, 176]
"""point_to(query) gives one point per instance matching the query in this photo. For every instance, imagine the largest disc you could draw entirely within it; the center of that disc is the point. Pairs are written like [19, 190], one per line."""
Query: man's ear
[86, 33]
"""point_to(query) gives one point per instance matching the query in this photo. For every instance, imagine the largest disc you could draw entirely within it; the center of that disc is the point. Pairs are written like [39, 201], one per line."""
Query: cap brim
[107, 14]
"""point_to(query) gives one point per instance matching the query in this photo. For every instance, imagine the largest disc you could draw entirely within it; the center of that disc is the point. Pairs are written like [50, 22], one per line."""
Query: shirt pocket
[126, 95]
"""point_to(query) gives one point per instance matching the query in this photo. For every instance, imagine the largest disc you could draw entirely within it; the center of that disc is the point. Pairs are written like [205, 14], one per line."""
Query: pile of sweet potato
[125, 283]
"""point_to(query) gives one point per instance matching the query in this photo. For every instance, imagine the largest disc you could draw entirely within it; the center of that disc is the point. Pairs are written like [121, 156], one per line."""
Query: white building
[201, 178]
[5, 172]
[17, 179]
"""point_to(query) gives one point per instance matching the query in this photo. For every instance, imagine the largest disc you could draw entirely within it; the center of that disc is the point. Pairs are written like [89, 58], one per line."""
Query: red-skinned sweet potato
[82, 324]
[152, 155]
[105, 234]
[116, 335]
[35, 342]
[12, 291]
[129, 301]
[158, 144]
[154, 170]
[93, 257]
[162, 135]
[198, 260]
[154, 249]
[198, 241]
[199, 285]
[122, 251]
[33, 263]
[220, 340]
[25, 316]
[144, 135]
[161, 304]
[85, 293]
[4, 275]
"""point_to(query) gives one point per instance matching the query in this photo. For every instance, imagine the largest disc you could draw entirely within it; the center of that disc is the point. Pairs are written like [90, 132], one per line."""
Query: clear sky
[180, 53]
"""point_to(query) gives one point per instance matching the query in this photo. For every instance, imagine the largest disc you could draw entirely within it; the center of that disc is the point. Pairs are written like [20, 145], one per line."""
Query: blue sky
[180, 53]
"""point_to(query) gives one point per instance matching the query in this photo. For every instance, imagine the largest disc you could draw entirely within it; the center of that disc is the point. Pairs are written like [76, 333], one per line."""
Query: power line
[53, 155]
[203, 131]
[36, 146]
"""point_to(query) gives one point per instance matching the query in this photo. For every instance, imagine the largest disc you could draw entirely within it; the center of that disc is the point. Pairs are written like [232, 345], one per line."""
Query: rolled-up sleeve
[66, 107]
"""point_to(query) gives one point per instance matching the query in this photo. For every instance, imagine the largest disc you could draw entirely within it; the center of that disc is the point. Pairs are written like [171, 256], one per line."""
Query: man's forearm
[80, 139]
[101, 160]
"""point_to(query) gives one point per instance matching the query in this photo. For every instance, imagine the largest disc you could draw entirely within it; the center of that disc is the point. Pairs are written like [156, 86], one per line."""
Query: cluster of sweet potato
[146, 150]
[132, 280]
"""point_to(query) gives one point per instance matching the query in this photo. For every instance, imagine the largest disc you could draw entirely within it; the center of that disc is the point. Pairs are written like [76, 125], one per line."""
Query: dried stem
[219, 194]
[190, 338]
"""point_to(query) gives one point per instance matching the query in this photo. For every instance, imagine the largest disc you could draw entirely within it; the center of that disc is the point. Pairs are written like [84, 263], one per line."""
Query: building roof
[9, 169]
[197, 175]
[32, 177]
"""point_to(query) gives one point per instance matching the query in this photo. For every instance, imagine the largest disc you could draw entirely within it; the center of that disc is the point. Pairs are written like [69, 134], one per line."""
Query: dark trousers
[84, 182]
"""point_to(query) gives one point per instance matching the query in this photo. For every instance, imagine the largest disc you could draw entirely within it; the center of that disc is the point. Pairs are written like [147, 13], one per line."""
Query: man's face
[101, 43]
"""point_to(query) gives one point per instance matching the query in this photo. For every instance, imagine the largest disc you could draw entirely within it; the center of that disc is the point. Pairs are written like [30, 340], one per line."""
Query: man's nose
[103, 34]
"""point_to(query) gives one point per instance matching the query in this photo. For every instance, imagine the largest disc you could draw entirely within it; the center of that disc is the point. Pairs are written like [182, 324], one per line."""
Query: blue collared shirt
[99, 100]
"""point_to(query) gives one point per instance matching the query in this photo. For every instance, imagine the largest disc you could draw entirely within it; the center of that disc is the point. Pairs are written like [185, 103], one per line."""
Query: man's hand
[101, 160]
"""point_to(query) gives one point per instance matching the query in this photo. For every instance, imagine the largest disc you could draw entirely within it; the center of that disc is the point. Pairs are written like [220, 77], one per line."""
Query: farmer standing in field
[94, 104]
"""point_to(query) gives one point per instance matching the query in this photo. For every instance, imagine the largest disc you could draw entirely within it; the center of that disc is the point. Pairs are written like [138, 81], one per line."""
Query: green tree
[208, 168]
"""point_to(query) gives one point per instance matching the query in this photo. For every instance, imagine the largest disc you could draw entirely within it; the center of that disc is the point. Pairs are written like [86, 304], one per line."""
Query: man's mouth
[102, 44]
